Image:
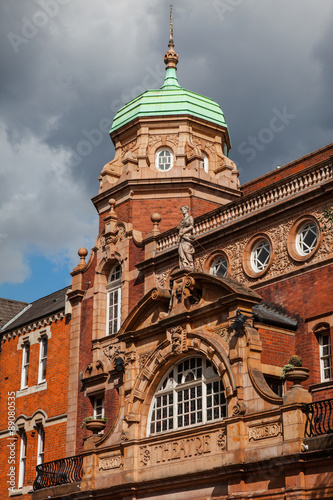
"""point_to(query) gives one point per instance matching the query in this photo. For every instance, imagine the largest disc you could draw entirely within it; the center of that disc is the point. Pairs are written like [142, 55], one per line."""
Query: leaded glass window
[191, 393]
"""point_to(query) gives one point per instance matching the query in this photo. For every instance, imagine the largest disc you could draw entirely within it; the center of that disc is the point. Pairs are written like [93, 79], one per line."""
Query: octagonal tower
[171, 148]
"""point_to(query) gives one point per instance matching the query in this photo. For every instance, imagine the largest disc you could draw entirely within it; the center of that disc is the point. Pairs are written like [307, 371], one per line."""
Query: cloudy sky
[68, 65]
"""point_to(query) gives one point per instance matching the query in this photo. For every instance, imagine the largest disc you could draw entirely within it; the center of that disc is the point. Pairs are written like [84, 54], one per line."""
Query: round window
[307, 238]
[164, 160]
[219, 267]
[260, 255]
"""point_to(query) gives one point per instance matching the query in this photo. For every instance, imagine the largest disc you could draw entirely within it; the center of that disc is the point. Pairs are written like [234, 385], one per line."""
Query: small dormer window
[164, 159]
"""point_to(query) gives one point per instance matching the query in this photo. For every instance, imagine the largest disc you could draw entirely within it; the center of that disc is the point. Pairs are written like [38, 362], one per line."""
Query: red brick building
[179, 341]
[34, 391]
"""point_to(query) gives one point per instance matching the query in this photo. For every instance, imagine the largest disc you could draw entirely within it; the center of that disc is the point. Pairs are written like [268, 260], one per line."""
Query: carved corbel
[130, 159]
[178, 339]
[94, 377]
[193, 153]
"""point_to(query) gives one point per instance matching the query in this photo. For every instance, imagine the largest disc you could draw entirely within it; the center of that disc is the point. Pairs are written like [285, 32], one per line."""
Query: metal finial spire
[171, 60]
[171, 25]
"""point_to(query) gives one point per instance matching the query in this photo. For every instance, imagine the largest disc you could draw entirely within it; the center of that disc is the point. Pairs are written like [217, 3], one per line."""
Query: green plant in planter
[293, 362]
[88, 419]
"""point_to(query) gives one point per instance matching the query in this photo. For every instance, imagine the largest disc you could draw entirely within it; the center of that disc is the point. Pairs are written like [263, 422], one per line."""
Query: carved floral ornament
[111, 462]
[178, 339]
[93, 369]
[281, 263]
[112, 351]
[116, 234]
[129, 147]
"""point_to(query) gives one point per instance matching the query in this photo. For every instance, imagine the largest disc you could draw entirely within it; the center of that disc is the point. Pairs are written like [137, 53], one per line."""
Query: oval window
[219, 267]
[307, 238]
[260, 255]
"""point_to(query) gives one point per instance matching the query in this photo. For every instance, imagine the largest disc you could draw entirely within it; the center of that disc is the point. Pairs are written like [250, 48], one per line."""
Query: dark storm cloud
[68, 65]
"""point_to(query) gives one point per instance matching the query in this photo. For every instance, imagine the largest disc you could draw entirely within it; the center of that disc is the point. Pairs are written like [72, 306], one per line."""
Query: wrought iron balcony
[63, 471]
[319, 418]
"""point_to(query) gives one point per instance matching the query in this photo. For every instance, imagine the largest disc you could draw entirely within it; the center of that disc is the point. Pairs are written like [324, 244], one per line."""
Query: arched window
[164, 159]
[114, 300]
[191, 393]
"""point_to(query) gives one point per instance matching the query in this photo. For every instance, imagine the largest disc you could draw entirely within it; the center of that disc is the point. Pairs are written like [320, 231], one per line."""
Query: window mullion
[204, 401]
[175, 409]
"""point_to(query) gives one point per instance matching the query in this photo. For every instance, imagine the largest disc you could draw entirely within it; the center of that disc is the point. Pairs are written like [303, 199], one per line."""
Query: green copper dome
[170, 99]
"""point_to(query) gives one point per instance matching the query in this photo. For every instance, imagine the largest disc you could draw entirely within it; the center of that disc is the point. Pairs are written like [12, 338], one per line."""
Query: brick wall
[52, 401]
[307, 296]
[289, 169]
[138, 212]
[277, 346]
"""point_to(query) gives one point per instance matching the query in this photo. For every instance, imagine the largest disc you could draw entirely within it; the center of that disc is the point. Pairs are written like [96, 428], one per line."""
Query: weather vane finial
[171, 25]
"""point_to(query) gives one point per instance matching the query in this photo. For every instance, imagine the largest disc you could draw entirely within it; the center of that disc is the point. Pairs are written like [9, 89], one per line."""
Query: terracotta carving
[186, 239]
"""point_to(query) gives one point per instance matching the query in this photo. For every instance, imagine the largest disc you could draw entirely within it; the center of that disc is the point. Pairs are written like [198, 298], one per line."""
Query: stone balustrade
[250, 204]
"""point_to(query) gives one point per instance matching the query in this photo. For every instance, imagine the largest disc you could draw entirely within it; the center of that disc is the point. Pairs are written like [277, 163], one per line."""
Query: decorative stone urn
[297, 393]
[297, 375]
[95, 425]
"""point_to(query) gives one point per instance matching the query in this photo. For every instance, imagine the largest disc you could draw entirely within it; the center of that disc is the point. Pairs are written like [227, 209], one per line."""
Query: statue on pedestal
[186, 240]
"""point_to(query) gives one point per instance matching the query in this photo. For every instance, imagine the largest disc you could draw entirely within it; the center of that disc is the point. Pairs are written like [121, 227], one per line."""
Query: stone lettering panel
[108, 463]
[269, 430]
[182, 449]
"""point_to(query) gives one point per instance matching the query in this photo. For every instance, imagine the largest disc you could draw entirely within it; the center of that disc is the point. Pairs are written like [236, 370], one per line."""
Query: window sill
[328, 384]
[21, 491]
[31, 390]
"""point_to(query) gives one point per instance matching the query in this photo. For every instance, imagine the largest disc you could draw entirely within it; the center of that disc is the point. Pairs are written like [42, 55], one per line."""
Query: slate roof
[39, 309]
[9, 309]
[268, 315]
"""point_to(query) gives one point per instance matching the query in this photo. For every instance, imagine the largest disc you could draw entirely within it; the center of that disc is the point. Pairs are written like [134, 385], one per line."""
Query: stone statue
[186, 239]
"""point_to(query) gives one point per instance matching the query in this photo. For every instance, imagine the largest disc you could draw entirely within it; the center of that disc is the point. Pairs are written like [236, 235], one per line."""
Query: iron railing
[63, 471]
[319, 418]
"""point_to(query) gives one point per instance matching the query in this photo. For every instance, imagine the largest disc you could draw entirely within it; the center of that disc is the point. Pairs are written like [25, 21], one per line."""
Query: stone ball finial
[112, 203]
[82, 252]
[155, 218]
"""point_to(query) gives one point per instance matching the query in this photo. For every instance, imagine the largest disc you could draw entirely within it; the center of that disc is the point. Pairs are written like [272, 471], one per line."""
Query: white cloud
[41, 209]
